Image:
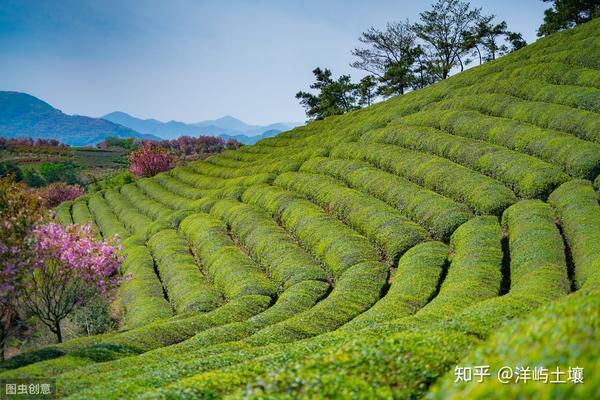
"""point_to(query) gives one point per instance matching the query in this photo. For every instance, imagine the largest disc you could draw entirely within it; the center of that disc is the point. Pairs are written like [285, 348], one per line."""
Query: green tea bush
[336, 245]
[106, 220]
[180, 188]
[414, 284]
[439, 214]
[285, 261]
[528, 176]
[481, 193]
[225, 263]
[581, 123]
[135, 222]
[576, 203]
[146, 205]
[380, 223]
[474, 273]
[578, 158]
[186, 286]
[584, 98]
[142, 298]
[63, 213]
[155, 191]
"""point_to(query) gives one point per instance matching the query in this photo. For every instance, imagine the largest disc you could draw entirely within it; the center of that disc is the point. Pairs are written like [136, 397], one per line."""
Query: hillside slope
[23, 115]
[367, 255]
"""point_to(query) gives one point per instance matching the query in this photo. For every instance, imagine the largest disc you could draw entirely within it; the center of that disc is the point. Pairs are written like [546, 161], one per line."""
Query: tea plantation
[367, 255]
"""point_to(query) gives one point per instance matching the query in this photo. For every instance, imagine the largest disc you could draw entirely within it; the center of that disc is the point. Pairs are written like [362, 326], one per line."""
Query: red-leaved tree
[149, 159]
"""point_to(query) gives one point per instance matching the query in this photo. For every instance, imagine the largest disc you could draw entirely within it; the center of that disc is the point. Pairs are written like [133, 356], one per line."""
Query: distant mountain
[23, 115]
[226, 127]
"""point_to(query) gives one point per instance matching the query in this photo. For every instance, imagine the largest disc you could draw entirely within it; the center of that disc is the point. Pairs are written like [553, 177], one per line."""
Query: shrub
[337, 246]
[186, 286]
[94, 317]
[108, 224]
[59, 172]
[578, 158]
[149, 159]
[576, 203]
[135, 222]
[286, 262]
[226, 265]
[382, 224]
[146, 205]
[414, 283]
[481, 193]
[63, 213]
[56, 193]
[439, 214]
[528, 176]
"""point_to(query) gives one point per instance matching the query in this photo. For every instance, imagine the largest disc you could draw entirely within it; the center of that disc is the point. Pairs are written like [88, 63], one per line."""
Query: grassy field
[90, 163]
[367, 255]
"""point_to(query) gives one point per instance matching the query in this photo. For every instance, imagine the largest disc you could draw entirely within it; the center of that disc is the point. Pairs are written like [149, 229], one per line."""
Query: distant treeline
[183, 146]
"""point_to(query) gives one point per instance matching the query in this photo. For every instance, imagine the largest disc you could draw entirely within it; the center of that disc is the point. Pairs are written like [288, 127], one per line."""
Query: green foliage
[576, 157]
[474, 273]
[63, 213]
[576, 204]
[527, 176]
[335, 97]
[94, 317]
[335, 244]
[565, 14]
[107, 221]
[580, 123]
[534, 341]
[185, 284]
[285, 261]
[125, 143]
[59, 172]
[112, 182]
[381, 224]
[142, 298]
[483, 194]
[225, 263]
[8, 168]
[414, 283]
[440, 215]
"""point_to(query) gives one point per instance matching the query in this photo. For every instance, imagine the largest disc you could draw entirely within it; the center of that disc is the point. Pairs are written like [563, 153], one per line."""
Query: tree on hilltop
[565, 14]
[334, 97]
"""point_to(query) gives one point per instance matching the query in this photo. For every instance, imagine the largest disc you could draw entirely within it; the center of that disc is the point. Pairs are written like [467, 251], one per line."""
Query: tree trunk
[57, 331]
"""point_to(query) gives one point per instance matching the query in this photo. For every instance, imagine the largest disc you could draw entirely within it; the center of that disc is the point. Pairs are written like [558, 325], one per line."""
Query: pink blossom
[76, 249]
[149, 159]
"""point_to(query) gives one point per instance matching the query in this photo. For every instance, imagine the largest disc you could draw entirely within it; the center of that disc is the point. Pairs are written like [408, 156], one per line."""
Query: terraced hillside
[368, 254]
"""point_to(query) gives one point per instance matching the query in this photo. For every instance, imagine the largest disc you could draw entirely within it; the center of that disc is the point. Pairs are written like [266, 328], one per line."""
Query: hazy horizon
[191, 61]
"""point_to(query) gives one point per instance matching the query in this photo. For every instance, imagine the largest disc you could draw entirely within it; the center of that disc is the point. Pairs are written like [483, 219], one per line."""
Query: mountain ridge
[24, 115]
[225, 127]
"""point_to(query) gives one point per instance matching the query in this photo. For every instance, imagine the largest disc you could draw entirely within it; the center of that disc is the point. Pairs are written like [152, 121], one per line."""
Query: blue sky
[194, 60]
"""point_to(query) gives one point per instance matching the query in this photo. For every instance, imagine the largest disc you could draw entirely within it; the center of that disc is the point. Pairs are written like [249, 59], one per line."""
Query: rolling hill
[23, 115]
[226, 127]
[367, 255]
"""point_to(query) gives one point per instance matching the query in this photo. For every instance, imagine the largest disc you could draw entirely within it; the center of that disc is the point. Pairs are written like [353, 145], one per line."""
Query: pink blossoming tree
[56, 193]
[70, 267]
[149, 159]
